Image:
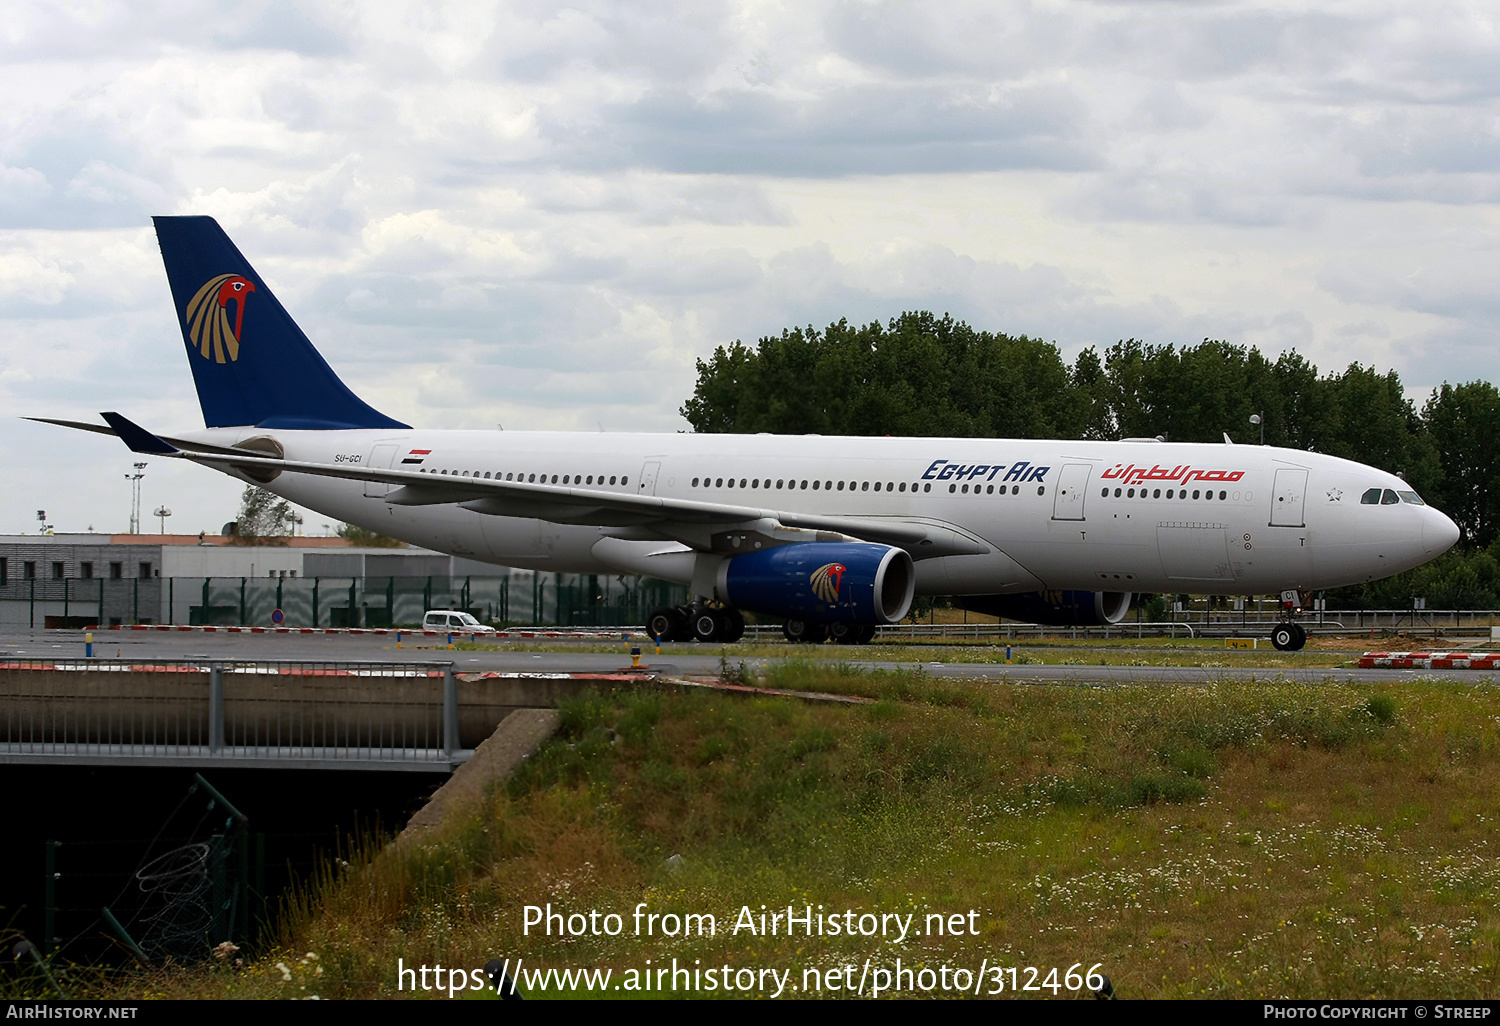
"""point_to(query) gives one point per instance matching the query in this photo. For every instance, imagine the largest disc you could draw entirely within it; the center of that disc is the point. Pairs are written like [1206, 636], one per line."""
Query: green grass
[1223, 840]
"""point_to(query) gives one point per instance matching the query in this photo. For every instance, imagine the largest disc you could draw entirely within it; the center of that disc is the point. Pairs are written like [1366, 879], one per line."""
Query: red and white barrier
[538, 632]
[1430, 660]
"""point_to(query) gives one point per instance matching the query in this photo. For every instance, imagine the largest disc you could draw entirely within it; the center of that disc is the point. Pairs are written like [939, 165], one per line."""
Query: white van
[454, 621]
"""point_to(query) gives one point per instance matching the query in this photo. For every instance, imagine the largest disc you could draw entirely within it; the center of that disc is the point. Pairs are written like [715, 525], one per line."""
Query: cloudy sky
[540, 214]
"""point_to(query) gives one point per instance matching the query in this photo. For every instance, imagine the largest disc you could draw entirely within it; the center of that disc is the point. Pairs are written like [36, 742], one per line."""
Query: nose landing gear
[1289, 637]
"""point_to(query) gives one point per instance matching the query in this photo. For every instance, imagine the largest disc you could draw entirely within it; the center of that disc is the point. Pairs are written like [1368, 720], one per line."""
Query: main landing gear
[697, 622]
[713, 624]
[812, 632]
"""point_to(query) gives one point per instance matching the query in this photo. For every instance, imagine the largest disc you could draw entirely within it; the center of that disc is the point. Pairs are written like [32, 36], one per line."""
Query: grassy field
[1227, 840]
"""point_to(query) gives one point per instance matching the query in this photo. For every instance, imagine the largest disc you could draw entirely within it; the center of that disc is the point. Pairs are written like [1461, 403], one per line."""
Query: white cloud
[540, 213]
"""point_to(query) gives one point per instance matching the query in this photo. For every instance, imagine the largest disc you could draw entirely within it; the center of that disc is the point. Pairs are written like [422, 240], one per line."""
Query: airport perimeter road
[154, 645]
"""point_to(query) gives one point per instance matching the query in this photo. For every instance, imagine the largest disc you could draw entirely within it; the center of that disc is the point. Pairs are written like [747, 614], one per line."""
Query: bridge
[276, 714]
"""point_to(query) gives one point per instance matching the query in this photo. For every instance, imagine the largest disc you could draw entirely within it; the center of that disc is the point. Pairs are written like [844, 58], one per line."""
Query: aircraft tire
[843, 634]
[707, 626]
[1284, 637]
[664, 624]
[864, 634]
[734, 625]
[800, 632]
[1301, 638]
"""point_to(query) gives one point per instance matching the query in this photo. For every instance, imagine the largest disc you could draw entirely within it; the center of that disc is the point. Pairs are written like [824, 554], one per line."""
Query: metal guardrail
[388, 716]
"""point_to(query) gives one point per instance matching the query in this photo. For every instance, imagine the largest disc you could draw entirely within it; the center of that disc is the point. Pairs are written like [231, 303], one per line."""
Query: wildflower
[286, 974]
[225, 949]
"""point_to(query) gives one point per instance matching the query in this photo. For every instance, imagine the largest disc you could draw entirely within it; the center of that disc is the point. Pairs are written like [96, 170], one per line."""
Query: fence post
[215, 709]
[450, 711]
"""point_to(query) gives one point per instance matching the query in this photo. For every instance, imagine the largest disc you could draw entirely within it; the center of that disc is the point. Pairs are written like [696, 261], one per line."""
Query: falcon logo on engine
[826, 580]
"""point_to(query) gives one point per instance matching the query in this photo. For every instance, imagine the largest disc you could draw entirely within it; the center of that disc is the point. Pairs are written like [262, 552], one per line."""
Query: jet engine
[1054, 608]
[830, 582]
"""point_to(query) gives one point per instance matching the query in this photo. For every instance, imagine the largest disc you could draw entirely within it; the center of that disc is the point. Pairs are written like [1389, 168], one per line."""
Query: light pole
[1256, 418]
[161, 513]
[135, 497]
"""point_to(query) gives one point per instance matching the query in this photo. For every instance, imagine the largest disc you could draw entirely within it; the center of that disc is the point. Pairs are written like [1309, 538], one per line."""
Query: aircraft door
[381, 458]
[648, 477]
[1286, 503]
[1072, 487]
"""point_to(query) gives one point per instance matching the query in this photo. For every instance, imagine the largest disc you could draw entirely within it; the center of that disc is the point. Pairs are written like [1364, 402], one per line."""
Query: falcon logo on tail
[207, 316]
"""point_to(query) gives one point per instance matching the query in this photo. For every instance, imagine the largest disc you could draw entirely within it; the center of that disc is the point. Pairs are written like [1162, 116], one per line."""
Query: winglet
[137, 437]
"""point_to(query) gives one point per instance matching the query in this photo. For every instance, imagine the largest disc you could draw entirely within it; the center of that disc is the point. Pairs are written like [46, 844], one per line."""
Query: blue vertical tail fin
[251, 363]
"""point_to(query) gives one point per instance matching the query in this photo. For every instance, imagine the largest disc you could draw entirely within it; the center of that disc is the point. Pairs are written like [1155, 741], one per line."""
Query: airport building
[87, 580]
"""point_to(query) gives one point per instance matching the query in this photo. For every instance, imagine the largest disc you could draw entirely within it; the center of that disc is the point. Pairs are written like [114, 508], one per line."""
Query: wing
[704, 526]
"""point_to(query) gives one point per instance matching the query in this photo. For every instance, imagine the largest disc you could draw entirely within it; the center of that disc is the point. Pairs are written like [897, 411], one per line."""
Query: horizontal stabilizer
[138, 438]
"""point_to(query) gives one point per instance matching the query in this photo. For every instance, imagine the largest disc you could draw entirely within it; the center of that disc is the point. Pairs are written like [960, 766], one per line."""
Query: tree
[264, 519]
[919, 374]
[364, 538]
[1463, 423]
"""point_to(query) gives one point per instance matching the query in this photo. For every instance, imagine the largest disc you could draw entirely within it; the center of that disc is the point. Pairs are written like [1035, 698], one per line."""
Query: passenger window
[1195, 493]
[1370, 498]
[903, 486]
[841, 486]
[1223, 496]
[1156, 494]
[1389, 498]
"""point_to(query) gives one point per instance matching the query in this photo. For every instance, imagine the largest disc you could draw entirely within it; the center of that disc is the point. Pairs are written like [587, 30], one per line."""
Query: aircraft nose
[1439, 534]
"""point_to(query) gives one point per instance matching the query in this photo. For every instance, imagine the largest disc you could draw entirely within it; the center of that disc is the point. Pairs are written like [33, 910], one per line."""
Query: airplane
[834, 536]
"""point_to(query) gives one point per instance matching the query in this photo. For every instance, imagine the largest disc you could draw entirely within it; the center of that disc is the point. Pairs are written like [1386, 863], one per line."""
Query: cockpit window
[1411, 497]
[1389, 498]
[1370, 498]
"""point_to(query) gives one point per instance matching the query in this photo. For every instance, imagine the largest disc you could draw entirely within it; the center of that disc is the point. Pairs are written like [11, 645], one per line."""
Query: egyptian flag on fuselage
[415, 457]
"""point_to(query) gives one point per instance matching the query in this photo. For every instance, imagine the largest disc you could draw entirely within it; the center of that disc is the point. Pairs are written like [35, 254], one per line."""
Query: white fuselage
[1095, 516]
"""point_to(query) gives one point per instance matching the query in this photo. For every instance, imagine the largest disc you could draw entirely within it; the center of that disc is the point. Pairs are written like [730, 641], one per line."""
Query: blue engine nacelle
[1054, 608]
[829, 582]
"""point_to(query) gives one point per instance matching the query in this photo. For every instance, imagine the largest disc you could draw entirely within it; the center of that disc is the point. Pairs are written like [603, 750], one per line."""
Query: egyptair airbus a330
[831, 535]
